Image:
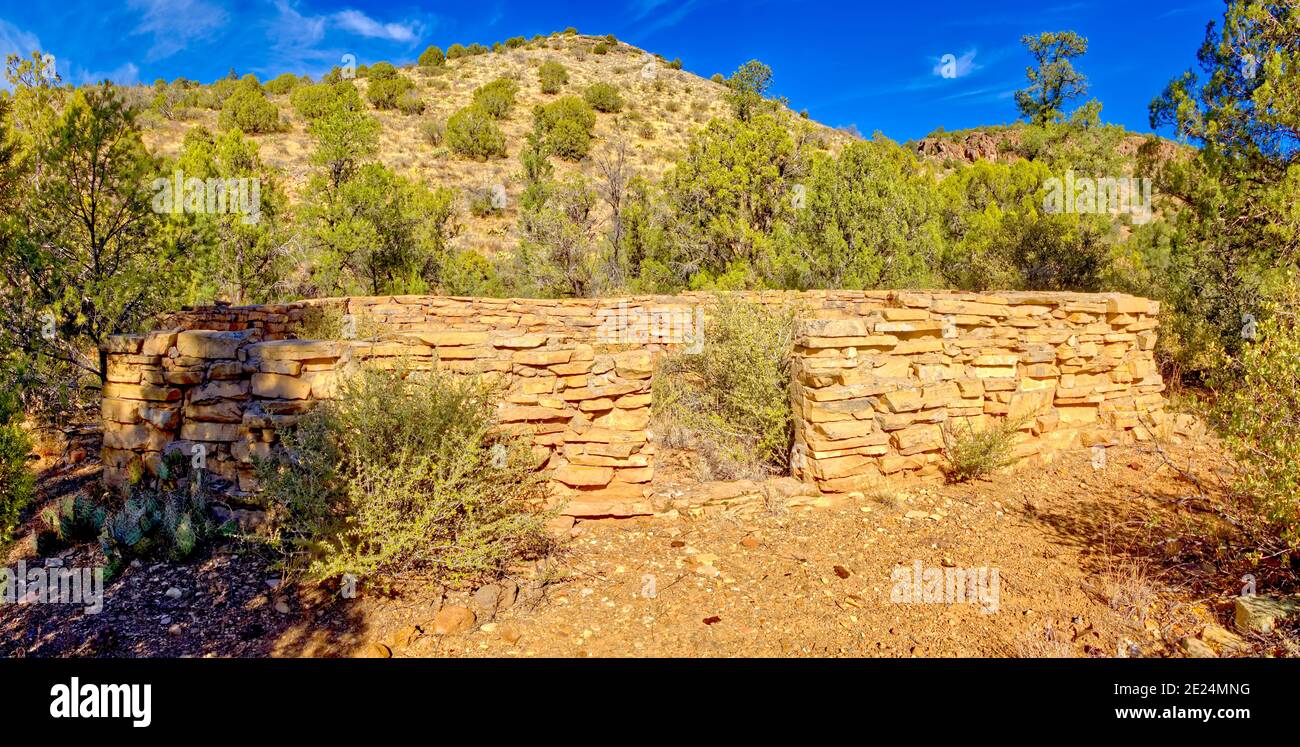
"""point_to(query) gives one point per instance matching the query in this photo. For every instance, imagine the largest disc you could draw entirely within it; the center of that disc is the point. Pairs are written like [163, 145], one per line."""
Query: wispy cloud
[126, 74]
[14, 40]
[359, 23]
[175, 24]
[951, 66]
[652, 16]
[304, 42]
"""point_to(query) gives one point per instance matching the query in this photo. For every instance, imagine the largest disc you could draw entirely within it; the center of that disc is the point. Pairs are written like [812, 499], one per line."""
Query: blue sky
[874, 65]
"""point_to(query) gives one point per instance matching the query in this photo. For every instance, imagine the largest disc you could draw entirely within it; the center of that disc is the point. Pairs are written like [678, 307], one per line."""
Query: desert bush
[604, 97]
[564, 126]
[432, 57]
[16, 481]
[496, 98]
[315, 101]
[406, 473]
[473, 133]
[248, 110]
[386, 86]
[456, 51]
[410, 103]
[973, 453]
[283, 84]
[476, 49]
[481, 204]
[552, 76]
[1257, 413]
[731, 399]
[433, 131]
[600, 48]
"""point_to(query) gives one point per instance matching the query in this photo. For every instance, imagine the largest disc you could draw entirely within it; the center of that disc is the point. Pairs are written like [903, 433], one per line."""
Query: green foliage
[433, 131]
[377, 232]
[473, 132]
[345, 138]
[79, 519]
[410, 103]
[868, 219]
[604, 97]
[1054, 82]
[564, 126]
[748, 87]
[731, 399]
[164, 518]
[84, 255]
[247, 109]
[1257, 410]
[285, 83]
[1232, 233]
[1000, 236]
[244, 255]
[496, 98]
[729, 196]
[552, 76]
[407, 473]
[315, 101]
[17, 484]
[600, 48]
[557, 248]
[974, 453]
[432, 57]
[456, 51]
[386, 88]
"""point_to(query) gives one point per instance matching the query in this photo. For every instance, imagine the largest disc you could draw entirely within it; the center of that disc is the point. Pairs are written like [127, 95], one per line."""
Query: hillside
[662, 110]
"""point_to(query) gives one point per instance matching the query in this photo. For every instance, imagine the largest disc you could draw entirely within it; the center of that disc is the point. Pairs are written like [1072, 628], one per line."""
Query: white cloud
[14, 40]
[357, 22]
[174, 24]
[126, 74]
[951, 66]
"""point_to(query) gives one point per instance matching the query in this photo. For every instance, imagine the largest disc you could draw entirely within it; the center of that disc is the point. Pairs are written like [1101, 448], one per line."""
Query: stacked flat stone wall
[879, 378]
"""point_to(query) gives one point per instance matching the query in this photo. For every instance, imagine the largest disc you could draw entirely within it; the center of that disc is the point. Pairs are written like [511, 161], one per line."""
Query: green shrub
[719, 78]
[676, 64]
[570, 31]
[386, 91]
[600, 48]
[283, 84]
[564, 127]
[552, 77]
[515, 42]
[17, 484]
[604, 97]
[480, 203]
[248, 110]
[406, 473]
[315, 101]
[379, 71]
[496, 98]
[433, 131]
[476, 49]
[1258, 398]
[473, 133]
[971, 453]
[730, 399]
[432, 57]
[410, 103]
[456, 51]
[611, 38]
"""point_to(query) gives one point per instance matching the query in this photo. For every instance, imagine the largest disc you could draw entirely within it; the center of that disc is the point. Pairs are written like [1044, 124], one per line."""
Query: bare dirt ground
[1136, 557]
